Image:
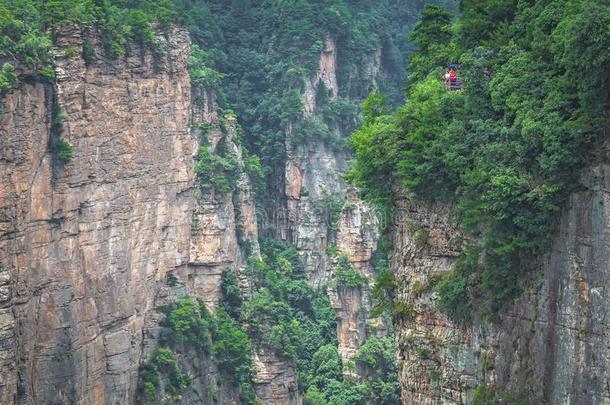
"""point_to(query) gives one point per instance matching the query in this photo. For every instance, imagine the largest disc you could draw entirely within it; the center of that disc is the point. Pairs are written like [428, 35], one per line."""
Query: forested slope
[506, 152]
[500, 217]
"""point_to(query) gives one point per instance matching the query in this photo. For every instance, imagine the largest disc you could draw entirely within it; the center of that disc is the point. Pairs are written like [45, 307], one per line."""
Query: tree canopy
[505, 153]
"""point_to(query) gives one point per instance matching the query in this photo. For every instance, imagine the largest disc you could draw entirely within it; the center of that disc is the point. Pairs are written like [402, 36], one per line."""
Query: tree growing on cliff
[506, 153]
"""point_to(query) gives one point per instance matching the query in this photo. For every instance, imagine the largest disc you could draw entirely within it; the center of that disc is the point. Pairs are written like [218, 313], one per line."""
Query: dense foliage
[218, 170]
[346, 275]
[505, 152]
[377, 357]
[189, 326]
[287, 315]
[284, 313]
[27, 29]
[489, 395]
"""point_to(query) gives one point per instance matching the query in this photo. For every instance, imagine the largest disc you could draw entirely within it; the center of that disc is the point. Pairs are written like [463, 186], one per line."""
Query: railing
[455, 85]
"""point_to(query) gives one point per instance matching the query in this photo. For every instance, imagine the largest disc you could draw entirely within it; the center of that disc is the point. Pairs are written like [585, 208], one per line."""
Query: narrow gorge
[101, 249]
[242, 202]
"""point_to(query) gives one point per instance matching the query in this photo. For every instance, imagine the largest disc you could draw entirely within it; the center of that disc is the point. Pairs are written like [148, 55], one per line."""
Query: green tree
[231, 294]
[433, 38]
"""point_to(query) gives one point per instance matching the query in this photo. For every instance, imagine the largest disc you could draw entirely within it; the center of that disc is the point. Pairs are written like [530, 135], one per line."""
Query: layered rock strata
[324, 219]
[91, 248]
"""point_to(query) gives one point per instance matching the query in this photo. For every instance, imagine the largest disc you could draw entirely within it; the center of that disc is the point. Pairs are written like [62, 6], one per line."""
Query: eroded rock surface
[89, 249]
[549, 344]
[86, 242]
[276, 379]
[321, 215]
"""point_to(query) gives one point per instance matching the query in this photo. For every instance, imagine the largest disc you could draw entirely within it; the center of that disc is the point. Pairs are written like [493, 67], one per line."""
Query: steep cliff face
[215, 241]
[90, 249]
[275, 379]
[357, 238]
[86, 243]
[313, 176]
[548, 345]
[323, 215]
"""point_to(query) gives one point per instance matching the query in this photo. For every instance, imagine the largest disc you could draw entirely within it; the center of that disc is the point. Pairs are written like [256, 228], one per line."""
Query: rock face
[313, 184]
[549, 344]
[215, 240]
[357, 235]
[90, 249]
[275, 379]
[320, 215]
[86, 243]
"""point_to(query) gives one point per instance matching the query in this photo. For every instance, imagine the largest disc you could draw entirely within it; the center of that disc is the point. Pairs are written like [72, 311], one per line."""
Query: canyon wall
[548, 346]
[85, 244]
[91, 248]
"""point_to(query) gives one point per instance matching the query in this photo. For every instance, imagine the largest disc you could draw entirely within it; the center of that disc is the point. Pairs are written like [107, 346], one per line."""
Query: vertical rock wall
[549, 345]
[219, 220]
[357, 235]
[315, 190]
[87, 248]
[85, 243]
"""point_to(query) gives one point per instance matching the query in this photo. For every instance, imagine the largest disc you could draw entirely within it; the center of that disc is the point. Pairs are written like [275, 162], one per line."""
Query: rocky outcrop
[326, 74]
[548, 345]
[357, 236]
[313, 178]
[321, 218]
[425, 244]
[221, 224]
[275, 380]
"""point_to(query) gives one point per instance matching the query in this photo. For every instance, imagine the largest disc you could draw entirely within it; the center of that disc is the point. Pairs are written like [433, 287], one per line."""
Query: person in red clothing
[452, 76]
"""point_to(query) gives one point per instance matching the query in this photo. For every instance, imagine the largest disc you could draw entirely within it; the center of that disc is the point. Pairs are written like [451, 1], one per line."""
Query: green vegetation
[402, 311]
[231, 294]
[8, 77]
[346, 275]
[188, 325]
[489, 395]
[200, 72]
[265, 49]
[217, 170]
[377, 356]
[298, 322]
[285, 313]
[507, 151]
[233, 355]
[163, 363]
[27, 27]
[383, 291]
[63, 150]
[327, 385]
